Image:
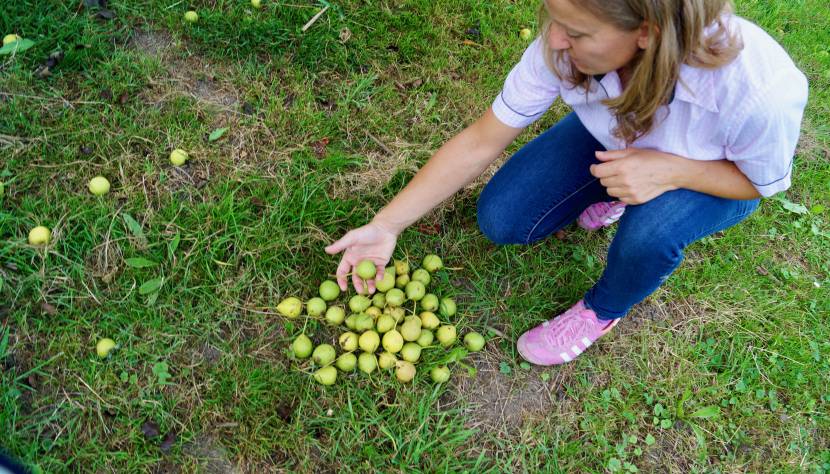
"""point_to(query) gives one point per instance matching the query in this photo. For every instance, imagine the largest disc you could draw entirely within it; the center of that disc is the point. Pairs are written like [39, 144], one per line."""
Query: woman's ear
[643, 39]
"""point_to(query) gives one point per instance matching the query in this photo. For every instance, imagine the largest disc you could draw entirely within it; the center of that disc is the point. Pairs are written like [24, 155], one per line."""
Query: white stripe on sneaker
[576, 350]
[565, 356]
[586, 342]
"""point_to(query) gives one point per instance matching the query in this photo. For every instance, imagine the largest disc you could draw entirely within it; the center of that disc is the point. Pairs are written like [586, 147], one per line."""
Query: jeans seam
[553, 208]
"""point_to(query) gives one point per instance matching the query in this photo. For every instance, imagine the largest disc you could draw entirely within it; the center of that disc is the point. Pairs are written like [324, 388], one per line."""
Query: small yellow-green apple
[40, 235]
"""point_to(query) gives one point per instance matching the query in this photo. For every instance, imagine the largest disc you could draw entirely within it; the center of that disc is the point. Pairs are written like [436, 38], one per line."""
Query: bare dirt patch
[496, 401]
[212, 456]
[151, 43]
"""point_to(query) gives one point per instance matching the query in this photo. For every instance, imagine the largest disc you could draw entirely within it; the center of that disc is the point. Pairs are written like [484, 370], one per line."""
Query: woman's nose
[557, 39]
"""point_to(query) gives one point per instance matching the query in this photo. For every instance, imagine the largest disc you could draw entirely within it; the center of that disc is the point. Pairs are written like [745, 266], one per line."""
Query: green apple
[429, 320]
[335, 315]
[359, 303]
[369, 341]
[525, 34]
[401, 267]
[104, 347]
[411, 352]
[367, 362]
[446, 335]
[315, 307]
[329, 290]
[256, 3]
[432, 263]
[366, 269]
[440, 374]
[40, 235]
[379, 300]
[429, 302]
[290, 307]
[302, 347]
[392, 341]
[415, 290]
[405, 371]
[98, 185]
[447, 307]
[402, 280]
[178, 157]
[387, 282]
[411, 328]
[363, 322]
[191, 16]
[374, 312]
[326, 375]
[348, 341]
[387, 360]
[473, 341]
[426, 338]
[385, 323]
[422, 276]
[346, 362]
[351, 322]
[323, 354]
[395, 297]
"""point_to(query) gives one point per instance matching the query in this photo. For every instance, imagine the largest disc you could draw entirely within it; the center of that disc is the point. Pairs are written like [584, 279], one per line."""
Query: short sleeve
[763, 140]
[529, 90]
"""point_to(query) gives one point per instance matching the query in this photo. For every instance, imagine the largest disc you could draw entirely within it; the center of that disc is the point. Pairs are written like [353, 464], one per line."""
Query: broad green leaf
[217, 134]
[151, 300]
[17, 46]
[150, 286]
[791, 206]
[701, 440]
[134, 227]
[138, 262]
[707, 412]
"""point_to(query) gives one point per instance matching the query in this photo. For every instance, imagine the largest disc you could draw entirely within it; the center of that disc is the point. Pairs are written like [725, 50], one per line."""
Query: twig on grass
[314, 19]
[379, 143]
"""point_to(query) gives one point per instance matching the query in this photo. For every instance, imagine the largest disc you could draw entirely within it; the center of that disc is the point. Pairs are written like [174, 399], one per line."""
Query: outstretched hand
[370, 242]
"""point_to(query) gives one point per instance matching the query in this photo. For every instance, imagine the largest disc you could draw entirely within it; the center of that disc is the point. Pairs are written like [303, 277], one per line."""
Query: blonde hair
[676, 36]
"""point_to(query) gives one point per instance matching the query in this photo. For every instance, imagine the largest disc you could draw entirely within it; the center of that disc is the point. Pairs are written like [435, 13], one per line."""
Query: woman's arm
[718, 178]
[636, 176]
[458, 162]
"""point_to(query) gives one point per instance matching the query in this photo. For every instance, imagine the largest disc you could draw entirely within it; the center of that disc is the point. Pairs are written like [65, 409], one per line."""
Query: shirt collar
[696, 86]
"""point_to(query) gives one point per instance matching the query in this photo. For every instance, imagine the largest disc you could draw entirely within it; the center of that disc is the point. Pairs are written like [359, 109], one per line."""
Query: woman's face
[594, 46]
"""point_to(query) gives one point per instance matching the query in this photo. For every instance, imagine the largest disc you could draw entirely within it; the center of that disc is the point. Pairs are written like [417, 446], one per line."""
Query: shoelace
[564, 328]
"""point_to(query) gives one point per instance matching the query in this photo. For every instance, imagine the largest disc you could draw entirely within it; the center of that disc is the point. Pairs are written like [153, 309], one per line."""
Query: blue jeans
[547, 184]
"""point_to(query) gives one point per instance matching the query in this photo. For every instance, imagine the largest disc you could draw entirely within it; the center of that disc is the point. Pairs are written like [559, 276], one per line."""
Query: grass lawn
[724, 369]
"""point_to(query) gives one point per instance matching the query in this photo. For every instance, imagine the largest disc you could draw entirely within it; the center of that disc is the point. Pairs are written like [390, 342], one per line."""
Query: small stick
[314, 19]
[379, 143]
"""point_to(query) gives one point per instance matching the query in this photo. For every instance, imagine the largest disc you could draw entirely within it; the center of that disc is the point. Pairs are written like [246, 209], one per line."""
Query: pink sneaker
[601, 214]
[564, 337]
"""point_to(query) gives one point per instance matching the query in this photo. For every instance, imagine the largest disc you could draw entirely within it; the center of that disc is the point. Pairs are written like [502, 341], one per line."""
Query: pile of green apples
[385, 332]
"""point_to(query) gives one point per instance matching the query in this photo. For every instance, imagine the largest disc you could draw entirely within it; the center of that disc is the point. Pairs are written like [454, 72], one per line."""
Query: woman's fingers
[342, 244]
[342, 271]
[358, 283]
